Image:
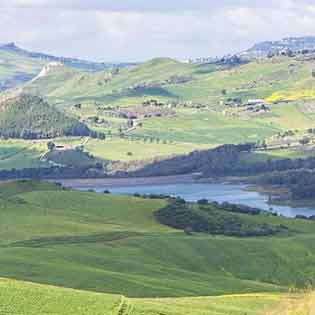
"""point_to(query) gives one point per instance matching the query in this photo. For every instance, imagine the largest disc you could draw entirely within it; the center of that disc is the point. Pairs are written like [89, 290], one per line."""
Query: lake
[233, 193]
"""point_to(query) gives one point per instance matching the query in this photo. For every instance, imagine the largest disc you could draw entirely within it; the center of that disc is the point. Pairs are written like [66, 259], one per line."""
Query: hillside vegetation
[208, 102]
[30, 117]
[163, 107]
[215, 220]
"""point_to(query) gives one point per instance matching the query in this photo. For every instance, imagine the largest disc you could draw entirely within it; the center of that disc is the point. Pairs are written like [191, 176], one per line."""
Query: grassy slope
[114, 244]
[205, 87]
[117, 149]
[21, 154]
[190, 129]
[270, 76]
[250, 304]
[52, 80]
[26, 298]
[12, 65]
[262, 156]
[32, 299]
[70, 158]
[82, 86]
[204, 127]
[26, 154]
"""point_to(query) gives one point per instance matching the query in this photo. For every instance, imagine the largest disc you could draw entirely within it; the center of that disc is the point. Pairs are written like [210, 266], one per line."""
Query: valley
[179, 153]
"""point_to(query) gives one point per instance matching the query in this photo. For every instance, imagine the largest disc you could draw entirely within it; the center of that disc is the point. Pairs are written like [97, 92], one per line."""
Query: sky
[137, 30]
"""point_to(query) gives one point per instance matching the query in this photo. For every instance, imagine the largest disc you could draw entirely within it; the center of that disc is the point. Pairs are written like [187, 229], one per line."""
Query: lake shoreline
[276, 196]
[192, 188]
[126, 182]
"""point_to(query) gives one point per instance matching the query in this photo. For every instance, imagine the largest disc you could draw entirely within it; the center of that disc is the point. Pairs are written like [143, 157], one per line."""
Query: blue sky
[135, 30]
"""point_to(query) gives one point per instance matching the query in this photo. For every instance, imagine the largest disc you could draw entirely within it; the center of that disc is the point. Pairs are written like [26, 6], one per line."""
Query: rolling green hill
[114, 244]
[113, 248]
[32, 299]
[67, 84]
[167, 80]
[15, 70]
[18, 65]
[198, 106]
[30, 117]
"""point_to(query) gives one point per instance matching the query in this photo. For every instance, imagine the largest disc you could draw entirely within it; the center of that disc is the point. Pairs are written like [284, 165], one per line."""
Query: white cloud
[142, 29]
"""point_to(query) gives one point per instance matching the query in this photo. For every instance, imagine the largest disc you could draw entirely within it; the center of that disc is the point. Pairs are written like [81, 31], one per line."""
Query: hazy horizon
[129, 31]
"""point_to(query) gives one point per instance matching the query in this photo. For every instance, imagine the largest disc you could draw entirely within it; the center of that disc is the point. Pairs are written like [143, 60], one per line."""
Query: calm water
[233, 193]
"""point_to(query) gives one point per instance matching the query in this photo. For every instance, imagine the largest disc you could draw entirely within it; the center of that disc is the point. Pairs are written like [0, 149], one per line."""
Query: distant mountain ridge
[78, 63]
[18, 65]
[294, 44]
[73, 62]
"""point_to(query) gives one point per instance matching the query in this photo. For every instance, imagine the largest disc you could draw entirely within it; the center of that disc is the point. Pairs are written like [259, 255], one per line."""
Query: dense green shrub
[213, 220]
[30, 117]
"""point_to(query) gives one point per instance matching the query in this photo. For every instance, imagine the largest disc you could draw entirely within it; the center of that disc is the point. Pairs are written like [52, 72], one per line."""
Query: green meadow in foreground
[114, 244]
[111, 256]
[33, 299]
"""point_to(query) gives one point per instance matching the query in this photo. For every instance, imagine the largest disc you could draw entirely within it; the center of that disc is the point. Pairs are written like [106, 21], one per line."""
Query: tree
[51, 146]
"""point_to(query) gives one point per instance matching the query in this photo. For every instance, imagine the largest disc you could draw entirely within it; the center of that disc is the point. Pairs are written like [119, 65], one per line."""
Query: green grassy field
[88, 253]
[17, 298]
[32, 299]
[288, 153]
[122, 149]
[21, 154]
[205, 85]
[13, 67]
[257, 79]
[205, 127]
[113, 244]
[189, 128]
[126, 263]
